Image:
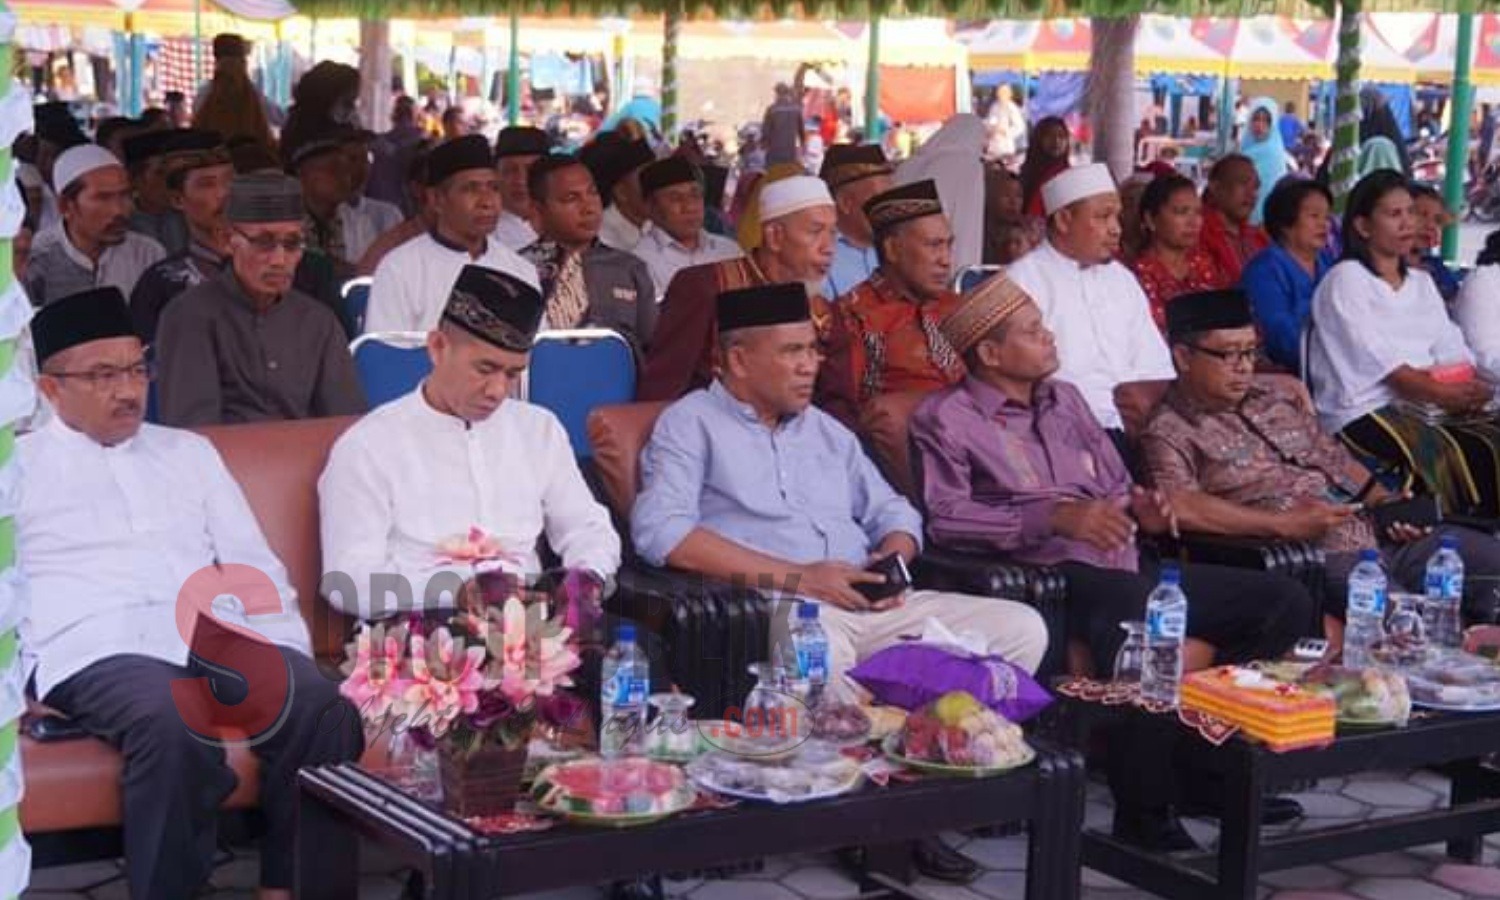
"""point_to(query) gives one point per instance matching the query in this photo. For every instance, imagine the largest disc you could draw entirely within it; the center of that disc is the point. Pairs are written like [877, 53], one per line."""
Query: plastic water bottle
[1445, 595]
[624, 685]
[1166, 629]
[810, 643]
[1364, 624]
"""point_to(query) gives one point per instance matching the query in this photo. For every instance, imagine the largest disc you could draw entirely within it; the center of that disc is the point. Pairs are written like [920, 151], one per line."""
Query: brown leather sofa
[74, 784]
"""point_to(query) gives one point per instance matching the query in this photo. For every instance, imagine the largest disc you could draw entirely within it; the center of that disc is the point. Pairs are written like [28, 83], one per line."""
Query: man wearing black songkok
[1242, 454]
[115, 517]
[246, 345]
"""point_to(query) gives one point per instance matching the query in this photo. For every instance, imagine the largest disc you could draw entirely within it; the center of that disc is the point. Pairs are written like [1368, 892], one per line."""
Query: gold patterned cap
[845, 164]
[902, 204]
[497, 308]
[991, 302]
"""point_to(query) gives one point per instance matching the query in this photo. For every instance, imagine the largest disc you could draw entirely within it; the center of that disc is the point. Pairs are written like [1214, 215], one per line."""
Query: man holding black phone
[1245, 456]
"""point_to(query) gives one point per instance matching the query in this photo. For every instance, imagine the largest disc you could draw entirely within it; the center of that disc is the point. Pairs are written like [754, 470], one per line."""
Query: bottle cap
[1448, 542]
[1171, 575]
[1369, 554]
[807, 610]
[625, 633]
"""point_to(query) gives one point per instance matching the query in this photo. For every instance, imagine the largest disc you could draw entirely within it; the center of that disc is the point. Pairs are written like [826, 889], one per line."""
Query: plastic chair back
[390, 363]
[574, 371]
[971, 277]
[356, 296]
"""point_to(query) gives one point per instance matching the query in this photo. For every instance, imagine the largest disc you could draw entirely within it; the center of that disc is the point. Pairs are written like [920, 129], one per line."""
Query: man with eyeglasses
[114, 518]
[1013, 462]
[1241, 455]
[245, 345]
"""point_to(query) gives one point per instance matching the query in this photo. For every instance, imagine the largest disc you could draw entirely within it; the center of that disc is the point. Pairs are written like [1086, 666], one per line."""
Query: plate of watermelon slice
[616, 793]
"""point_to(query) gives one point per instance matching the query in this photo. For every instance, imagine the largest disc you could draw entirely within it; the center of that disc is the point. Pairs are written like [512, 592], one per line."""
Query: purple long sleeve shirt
[994, 469]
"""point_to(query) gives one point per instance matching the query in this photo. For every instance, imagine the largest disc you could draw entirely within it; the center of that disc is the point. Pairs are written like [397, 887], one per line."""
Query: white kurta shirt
[617, 231]
[406, 478]
[1363, 330]
[1477, 311]
[1102, 320]
[413, 281]
[665, 255]
[107, 536]
[514, 232]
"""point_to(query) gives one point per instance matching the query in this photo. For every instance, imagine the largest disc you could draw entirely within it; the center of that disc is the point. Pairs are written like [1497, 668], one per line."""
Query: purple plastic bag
[912, 674]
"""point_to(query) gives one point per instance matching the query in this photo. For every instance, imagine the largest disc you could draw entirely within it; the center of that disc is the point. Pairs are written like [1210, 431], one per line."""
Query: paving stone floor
[1419, 874]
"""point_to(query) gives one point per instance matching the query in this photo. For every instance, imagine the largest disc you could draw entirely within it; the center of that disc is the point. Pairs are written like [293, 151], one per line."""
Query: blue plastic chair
[971, 277]
[574, 371]
[356, 295]
[390, 363]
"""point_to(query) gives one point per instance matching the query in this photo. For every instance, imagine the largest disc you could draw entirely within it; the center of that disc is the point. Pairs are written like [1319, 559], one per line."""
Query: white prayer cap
[1078, 183]
[789, 195]
[76, 162]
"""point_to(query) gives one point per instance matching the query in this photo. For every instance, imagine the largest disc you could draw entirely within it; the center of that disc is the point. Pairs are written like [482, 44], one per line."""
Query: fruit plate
[623, 820]
[892, 742]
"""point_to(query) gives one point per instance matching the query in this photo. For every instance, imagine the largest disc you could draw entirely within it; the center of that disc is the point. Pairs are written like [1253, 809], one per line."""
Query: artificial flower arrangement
[482, 676]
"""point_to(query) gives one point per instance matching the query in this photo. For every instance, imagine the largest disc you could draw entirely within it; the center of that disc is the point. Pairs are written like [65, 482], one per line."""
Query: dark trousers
[1245, 614]
[174, 781]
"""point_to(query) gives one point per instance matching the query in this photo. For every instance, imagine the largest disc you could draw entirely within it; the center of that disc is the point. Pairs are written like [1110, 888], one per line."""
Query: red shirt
[1229, 247]
[1162, 287]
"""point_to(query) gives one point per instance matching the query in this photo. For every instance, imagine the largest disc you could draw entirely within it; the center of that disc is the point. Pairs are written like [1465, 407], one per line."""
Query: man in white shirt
[616, 163]
[676, 238]
[412, 282]
[453, 455]
[93, 245]
[1092, 304]
[516, 148]
[379, 216]
[123, 529]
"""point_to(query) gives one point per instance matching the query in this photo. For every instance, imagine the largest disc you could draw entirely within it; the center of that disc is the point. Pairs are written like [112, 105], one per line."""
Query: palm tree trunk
[375, 73]
[1110, 99]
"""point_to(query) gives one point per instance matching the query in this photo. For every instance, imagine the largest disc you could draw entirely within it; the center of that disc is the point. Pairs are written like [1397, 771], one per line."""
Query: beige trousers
[1014, 630]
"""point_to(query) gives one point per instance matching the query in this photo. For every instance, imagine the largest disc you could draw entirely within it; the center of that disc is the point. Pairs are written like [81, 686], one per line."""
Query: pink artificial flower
[535, 661]
[376, 682]
[448, 689]
[477, 546]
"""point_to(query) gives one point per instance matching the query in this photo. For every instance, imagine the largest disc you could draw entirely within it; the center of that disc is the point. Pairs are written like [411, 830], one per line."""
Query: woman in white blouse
[1477, 308]
[1382, 346]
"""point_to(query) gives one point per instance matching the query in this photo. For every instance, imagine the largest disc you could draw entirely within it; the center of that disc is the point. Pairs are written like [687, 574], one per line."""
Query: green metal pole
[1458, 129]
[671, 34]
[1345, 152]
[872, 85]
[197, 45]
[513, 74]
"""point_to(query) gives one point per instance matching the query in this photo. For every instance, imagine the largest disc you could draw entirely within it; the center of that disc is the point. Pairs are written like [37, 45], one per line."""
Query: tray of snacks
[1455, 681]
[957, 735]
[815, 772]
[841, 724]
[618, 793]
[1365, 698]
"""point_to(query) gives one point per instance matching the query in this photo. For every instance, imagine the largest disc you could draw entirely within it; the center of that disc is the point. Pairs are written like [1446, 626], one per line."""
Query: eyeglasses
[1246, 356]
[106, 378]
[267, 243]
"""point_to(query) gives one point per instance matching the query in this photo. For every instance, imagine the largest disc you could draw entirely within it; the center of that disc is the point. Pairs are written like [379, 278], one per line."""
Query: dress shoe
[1273, 811]
[637, 889]
[1153, 830]
[938, 861]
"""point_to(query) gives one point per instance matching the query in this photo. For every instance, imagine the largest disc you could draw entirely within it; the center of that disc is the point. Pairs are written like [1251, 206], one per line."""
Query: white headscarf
[952, 158]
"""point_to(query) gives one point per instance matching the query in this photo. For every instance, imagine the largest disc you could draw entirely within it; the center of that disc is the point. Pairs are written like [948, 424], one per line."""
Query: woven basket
[485, 782]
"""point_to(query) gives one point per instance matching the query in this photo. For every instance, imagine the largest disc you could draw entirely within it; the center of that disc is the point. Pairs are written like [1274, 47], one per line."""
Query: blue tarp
[1057, 94]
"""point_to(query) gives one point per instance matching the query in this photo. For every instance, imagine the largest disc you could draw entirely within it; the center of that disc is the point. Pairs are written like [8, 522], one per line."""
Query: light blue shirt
[851, 265]
[804, 492]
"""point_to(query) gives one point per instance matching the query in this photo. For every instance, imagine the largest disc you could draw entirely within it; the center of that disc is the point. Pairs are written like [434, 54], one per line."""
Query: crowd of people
[1287, 363]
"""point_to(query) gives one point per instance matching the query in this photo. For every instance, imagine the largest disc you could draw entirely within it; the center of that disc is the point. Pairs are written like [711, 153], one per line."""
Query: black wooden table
[1454, 744]
[341, 803]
